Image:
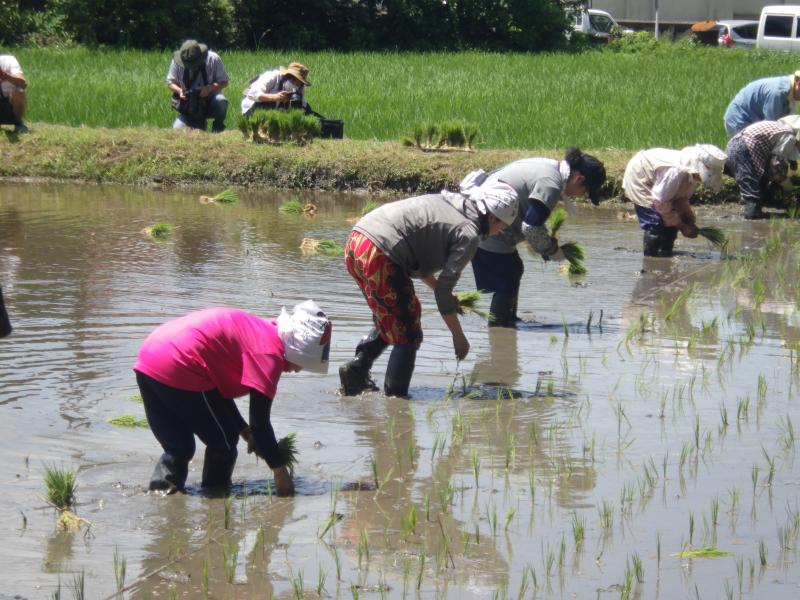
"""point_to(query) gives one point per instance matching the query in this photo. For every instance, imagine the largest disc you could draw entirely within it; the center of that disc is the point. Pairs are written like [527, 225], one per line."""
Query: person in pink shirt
[190, 369]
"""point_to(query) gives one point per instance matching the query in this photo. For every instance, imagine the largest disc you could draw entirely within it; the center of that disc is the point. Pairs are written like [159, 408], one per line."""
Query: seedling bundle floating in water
[327, 247]
[225, 197]
[295, 207]
[158, 231]
[129, 421]
[574, 252]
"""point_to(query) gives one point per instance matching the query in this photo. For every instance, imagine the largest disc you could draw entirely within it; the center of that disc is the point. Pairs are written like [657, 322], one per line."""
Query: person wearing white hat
[415, 238]
[539, 184]
[660, 183]
[283, 87]
[754, 151]
[190, 369]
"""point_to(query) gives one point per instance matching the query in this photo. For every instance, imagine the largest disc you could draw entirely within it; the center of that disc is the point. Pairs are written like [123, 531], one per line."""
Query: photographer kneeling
[281, 88]
[196, 76]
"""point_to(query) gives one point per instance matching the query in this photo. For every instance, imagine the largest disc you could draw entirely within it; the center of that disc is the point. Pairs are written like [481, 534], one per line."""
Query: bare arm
[17, 80]
[460, 342]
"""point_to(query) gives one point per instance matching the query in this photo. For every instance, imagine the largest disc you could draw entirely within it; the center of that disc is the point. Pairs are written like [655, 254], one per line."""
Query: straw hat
[298, 71]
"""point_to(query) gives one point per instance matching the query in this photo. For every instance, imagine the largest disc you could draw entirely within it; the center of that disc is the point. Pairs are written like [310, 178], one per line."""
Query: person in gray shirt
[415, 238]
[539, 183]
[196, 77]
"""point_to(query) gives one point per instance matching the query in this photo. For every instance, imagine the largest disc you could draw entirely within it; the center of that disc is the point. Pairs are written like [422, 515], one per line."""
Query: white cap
[706, 160]
[306, 336]
[498, 198]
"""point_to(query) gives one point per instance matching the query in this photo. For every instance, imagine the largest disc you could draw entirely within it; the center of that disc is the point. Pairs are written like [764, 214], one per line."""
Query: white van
[779, 28]
[593, 22]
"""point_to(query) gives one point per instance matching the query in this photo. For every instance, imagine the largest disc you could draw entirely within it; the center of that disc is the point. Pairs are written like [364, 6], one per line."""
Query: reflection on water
[626, 428]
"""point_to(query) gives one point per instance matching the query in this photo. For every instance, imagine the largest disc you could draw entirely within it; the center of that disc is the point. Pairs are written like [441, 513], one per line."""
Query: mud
[667, 426]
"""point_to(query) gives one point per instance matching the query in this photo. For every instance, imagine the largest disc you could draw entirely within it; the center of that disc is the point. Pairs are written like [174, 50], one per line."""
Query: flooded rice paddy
[572, 458]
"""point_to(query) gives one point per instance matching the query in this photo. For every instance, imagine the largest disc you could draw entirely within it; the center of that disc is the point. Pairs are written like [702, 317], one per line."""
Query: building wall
[685, 10]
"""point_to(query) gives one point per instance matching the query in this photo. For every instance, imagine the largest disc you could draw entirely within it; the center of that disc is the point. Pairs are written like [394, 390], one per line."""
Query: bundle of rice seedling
[575, 255]
[226, 197]
[70, 522]
[158, 231]
[328, 247]
[61, 486]
[288, 447]
[468, 302]
[369, 205]
[291, 207]
[556, 220]
[715, 235]
[129, 421]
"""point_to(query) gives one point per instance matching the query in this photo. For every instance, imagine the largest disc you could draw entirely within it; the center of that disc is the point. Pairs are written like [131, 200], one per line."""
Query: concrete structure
[684, 11]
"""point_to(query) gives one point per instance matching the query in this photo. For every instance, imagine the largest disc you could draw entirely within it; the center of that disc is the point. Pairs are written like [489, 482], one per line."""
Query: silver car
[737, 34]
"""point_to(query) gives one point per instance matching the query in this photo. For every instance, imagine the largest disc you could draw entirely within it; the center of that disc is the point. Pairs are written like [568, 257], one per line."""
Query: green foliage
[160, 231]
[60, 484]
[640, 41]
[278, 126]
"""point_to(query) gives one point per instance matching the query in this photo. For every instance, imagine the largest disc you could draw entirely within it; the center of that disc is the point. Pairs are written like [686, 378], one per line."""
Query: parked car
[737, 34]
[778, 28]
[596, 23]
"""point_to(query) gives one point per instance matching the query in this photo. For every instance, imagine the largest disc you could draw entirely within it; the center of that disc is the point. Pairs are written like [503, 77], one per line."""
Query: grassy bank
[143, 156]
[671, 97]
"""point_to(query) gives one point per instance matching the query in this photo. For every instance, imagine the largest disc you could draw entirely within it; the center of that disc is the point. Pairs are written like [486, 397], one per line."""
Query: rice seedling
[298, 589]
[606, 512]
[288, 448]
[754, 477]
[321, 576]
[468, 302]
[120, 567]
[705, 552]
[691, 528]
[291, 207]
[61, 486]
[129, 421]
[369, 206]
[230, 558]
[310, 246]
[421, 569]
[762, 553]
[227, 508]
[578, 529]
[556, 220]
[204, 578]
[770, 464]
[509, 517]
[78, 586]
[228, 196]
[136, 398]
[278, 127]
[714, 235]
[159, 231]
[476, 466]
[575, 254]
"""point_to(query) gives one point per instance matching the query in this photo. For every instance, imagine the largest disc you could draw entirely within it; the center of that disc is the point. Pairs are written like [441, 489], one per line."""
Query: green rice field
[670, 97]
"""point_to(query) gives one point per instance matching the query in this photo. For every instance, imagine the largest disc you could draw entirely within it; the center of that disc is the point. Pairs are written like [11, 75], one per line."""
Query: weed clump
[279, 126]
[288, 447]
[129, 421]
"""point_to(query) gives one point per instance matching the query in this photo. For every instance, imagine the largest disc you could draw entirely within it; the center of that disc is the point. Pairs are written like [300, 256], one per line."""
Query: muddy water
[476, 486]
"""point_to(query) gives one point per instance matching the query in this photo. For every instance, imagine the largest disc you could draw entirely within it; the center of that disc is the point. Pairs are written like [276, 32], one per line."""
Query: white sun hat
[306, 336]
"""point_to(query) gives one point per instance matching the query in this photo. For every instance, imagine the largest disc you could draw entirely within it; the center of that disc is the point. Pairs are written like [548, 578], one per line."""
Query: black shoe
[657, 245]
[169, 474]
[399, 370]
[355, 379]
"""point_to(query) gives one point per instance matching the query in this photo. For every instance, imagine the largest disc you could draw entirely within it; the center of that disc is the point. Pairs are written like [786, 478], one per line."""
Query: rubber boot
[503, 310]
[218, 467]
[5, 322]
[656, 245]
[399, 370]
[169, 474]
[354, 375]
[752, 211]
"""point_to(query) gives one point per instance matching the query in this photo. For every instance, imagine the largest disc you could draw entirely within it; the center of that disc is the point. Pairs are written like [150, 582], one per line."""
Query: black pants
[175, 417]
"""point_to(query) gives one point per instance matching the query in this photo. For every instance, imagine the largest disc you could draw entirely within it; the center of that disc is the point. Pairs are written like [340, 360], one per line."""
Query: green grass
[60, 485]
[595, 100]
